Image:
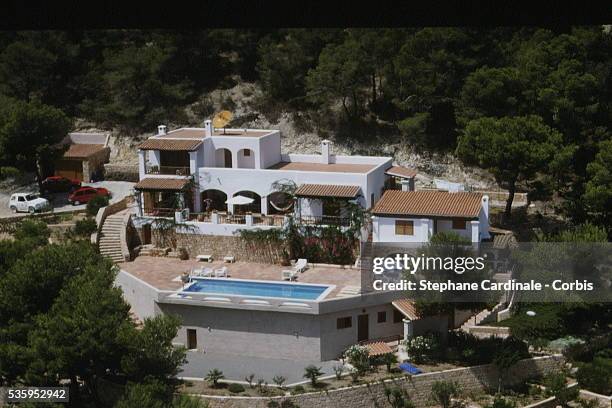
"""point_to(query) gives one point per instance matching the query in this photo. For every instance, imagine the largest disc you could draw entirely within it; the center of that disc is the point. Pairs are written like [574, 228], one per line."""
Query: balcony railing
[324, 220]
[160, 212]
[170, 170]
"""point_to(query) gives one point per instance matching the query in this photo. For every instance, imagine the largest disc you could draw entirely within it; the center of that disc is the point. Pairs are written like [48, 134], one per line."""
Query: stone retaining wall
[471, 380]
[119, 172]
[220, 246]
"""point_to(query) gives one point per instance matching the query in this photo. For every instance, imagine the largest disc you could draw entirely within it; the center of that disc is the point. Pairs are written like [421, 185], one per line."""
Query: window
[247, 153]
[382, 317]
[344, 322]
[458, 223]
[403, 227]
[397, 316]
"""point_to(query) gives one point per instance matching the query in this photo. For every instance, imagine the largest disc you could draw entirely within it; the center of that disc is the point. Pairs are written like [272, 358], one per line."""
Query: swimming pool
[258, 288]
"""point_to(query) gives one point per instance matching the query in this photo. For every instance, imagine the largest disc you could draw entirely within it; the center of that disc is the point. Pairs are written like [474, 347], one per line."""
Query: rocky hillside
[242, 99]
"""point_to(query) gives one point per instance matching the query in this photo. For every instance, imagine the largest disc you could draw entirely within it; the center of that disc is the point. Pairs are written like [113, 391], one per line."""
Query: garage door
[72, 169]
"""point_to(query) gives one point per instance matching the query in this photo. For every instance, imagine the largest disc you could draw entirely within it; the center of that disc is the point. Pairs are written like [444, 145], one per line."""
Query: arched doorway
[223, 158]
[213, 200]
[246, 159]
[254, 207]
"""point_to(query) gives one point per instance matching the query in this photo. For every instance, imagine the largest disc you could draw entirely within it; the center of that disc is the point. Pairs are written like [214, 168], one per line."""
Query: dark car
[84, 194]
[59, 184]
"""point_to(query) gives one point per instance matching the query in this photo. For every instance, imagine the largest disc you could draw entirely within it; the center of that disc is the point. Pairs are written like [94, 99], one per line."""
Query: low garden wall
[471, 380]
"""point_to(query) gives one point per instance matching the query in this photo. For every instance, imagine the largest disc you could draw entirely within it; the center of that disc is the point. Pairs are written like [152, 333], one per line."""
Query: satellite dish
[221, 119]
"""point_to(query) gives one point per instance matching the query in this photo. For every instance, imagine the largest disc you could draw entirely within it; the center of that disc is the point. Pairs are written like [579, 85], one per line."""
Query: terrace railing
[171, 170]
[258, 220]
[160, 212]
[324, 220]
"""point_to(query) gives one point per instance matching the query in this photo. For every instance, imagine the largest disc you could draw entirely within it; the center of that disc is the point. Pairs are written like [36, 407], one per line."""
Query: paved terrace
[162, 272]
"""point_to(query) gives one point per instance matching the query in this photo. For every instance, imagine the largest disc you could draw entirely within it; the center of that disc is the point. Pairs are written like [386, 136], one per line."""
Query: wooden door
[192, 339]
[363, 328]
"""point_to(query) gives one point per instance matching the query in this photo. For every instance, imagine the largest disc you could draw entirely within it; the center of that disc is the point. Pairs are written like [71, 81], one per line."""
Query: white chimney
[326, 151]
[161, 130]
[208, 128]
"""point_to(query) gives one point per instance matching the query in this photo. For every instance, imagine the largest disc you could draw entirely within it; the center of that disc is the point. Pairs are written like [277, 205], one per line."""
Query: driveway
[118, 189]
[238, 367]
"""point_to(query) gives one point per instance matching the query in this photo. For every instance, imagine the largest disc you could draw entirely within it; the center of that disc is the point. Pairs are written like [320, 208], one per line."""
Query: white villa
[209, 167]
[221, 181]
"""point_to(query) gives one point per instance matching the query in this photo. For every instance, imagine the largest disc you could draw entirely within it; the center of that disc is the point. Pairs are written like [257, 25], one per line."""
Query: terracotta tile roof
[327, 190]
[331, 168]
[378, 348]
[186, 145]
[400, 171]
[82, 151]
[407, 308]
[429, 203]
[161, 184]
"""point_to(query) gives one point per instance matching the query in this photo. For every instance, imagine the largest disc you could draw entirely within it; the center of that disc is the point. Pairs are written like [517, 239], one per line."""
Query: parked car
[59, 184]
[26, 202]
[84, 194]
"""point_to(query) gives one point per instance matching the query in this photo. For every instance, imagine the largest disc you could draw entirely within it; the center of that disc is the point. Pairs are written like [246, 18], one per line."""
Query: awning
[399, 171]
[239, 200]
[172, 145]
[378, 348]
[171, 184]
[407, 308]
[327, 190]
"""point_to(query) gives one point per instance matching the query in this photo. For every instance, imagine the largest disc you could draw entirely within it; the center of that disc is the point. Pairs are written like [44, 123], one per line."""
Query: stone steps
[110, 239]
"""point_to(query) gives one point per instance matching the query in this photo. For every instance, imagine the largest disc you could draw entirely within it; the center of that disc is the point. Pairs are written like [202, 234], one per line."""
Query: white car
[27, 202]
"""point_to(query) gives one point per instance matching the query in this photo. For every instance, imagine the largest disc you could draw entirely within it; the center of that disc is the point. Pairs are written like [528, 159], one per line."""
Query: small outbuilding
[85, 157]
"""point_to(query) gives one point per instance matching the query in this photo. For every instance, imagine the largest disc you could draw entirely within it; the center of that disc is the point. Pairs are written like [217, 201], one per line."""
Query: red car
[84, 194]
[59, 184]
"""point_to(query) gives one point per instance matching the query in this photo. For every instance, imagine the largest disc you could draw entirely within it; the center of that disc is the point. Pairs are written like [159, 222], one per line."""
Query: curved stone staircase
[110, 237]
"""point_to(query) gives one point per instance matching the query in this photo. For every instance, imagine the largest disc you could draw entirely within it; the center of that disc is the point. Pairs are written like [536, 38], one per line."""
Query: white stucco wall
[384, 230]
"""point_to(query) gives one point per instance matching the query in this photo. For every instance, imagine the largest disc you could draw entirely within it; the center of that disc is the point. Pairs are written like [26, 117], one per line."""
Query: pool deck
[162, 273]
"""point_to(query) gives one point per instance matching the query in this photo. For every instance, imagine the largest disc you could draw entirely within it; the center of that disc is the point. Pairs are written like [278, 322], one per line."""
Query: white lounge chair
[202, 272]
[300, 265]
[205, 258]
[289, 274]
[221, 272]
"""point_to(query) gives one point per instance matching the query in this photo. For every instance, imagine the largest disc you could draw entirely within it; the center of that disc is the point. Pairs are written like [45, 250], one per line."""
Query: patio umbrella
[239, 200]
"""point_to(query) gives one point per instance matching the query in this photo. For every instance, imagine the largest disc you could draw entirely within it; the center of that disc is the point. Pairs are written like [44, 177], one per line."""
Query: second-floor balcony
[169, 170]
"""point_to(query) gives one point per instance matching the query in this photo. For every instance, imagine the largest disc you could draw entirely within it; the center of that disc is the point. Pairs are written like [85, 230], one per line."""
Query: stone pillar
[264, 205]
[234, 160]
[249, 220]
[405, 184]
[408, 329]
[214, 217]
[86, 171]
[475, 228]
[142, 157]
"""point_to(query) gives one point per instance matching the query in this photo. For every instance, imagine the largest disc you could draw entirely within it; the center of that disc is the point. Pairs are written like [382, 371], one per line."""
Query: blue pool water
[247, 288]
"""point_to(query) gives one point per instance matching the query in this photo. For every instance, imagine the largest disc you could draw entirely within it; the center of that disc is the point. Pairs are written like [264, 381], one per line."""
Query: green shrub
[557, 386]
[423, 348]
[9, 172]
[85, 227]
[311, 372]
[235, 388]
[596, 376]
[298, 389]
[214, 376]
[35, 231]
[501, 402]
[359, 357]
[443, 391]
[95, 204]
